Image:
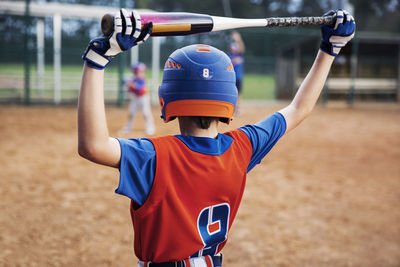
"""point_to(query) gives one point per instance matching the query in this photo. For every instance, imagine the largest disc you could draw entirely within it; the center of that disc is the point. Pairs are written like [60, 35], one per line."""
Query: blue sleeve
[263, 136]
[137, 169]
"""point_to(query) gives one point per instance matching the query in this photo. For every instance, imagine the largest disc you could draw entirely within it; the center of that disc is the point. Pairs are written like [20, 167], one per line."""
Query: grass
[258, 86]
[255, 86]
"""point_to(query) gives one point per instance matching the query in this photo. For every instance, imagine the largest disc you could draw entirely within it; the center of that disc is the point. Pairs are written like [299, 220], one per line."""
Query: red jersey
[137, 86]
[193, 201]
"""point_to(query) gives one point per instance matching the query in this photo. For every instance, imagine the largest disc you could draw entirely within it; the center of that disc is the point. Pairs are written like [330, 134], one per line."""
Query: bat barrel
[167, 24]
[177, 23]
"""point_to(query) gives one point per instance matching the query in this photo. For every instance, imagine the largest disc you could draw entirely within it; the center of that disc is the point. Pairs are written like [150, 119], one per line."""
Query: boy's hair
[205, 122]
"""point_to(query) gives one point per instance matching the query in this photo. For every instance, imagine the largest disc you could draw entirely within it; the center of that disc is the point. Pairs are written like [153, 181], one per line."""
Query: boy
[139, 98]
[185, 189]
[237, 49]
[236, 54]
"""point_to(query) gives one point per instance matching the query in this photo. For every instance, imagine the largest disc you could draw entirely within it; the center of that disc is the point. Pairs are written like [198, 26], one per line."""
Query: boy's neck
[188, 127]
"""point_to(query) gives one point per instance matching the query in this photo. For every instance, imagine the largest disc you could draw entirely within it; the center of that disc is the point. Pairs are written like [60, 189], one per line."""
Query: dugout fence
[368, 68]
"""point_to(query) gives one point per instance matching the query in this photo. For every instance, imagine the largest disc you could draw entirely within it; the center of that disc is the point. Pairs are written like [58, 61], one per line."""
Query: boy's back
[194, 197]
[183, 179]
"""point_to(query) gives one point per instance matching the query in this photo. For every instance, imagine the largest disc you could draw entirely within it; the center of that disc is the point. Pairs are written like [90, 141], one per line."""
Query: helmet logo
[206, 73]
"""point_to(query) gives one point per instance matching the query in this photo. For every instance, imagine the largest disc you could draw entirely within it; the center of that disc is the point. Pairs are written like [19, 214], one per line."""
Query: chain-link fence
[19, 63]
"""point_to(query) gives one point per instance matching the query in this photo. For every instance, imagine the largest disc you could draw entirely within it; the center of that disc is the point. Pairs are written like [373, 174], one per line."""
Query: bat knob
[107, 24]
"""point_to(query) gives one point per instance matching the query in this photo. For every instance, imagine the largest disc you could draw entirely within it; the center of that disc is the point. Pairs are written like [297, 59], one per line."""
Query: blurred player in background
[139, 99]
[236, 54]
[185, 189]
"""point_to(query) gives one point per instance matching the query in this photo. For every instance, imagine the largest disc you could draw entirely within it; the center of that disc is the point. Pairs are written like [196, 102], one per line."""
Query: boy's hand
[333, 39]
[127, 33]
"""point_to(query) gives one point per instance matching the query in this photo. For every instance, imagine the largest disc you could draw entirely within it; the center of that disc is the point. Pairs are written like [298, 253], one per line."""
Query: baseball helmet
[198, 80]
[138, 66]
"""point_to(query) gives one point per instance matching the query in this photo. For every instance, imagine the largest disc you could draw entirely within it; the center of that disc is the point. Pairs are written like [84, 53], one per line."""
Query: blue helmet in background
[198, 80]
[138, 66]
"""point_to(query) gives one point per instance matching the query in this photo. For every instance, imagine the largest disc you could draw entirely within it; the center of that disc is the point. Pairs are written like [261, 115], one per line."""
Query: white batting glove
[127, 33]
[333, 39]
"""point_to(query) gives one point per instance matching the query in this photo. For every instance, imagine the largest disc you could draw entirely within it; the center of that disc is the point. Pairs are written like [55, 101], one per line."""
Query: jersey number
[212, 225]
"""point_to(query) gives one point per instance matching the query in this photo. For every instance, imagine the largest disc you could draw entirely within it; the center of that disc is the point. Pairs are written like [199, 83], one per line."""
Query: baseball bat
[182, 23]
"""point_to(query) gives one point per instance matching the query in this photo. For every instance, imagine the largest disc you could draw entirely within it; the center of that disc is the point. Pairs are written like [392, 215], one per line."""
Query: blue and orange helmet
[198, 80]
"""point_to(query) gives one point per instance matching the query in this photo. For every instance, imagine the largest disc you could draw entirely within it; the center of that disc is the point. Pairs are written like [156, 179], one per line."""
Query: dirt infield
[327, 195]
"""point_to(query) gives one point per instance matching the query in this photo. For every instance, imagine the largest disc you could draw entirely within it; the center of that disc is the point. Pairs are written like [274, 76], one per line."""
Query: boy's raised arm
[94, 142]
[333, 39]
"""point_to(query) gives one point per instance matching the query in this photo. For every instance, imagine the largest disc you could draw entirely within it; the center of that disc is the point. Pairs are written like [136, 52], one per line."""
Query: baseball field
[328, 194]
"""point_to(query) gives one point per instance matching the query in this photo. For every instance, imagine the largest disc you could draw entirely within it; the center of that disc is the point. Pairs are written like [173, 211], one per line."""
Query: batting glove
[127, 33]
[333, 39]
